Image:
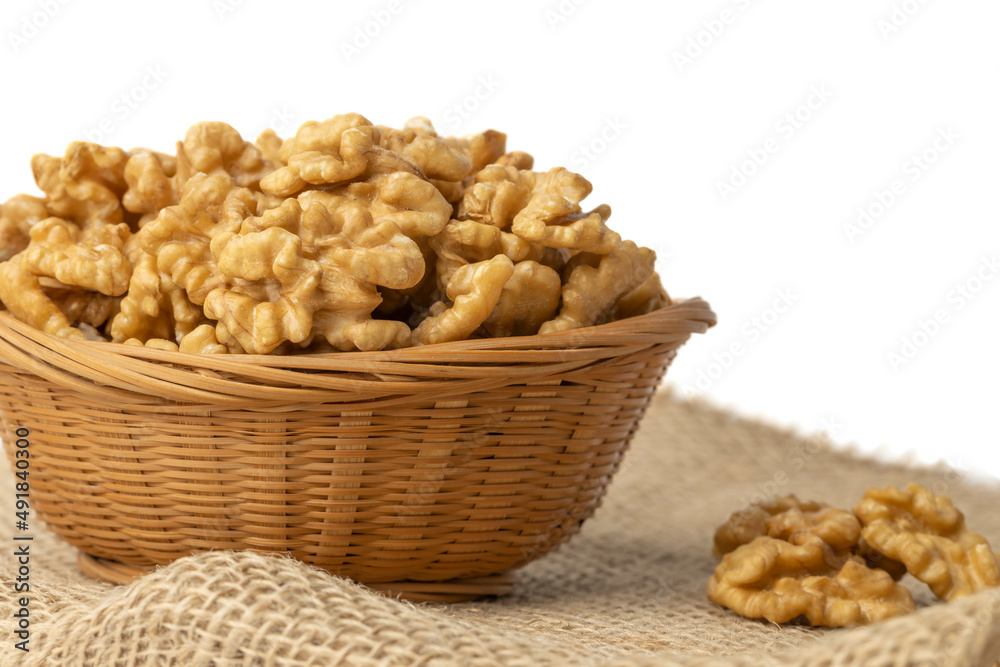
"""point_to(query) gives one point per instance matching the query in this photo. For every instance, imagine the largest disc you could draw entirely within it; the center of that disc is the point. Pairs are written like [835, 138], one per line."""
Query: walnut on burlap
[629, 590]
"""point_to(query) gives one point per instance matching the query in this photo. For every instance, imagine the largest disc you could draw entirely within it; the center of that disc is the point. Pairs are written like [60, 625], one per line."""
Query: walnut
[203, 340]
[82, 307]
[781, 580]
[152, 183]
[17, 216]
[154, 308]
[528, 299]
[781, 518]
[156, 181]
[540, 207]
[928, 535]
[295, 268]
[597, 282]
[421, 295]
[153, 343]
[482, 149]
[86, 184]
[541, 221]
[216, 148]
[474, 291]
[279, 276]
[466, 241]
[409, 202]
[451, 163]
[336, 151]
[269, 145]
[180, 237]
[24, 297]
[875, 558]
[516, 159]
[418, 143]
[92, 259]
[498, 195]
[645, 298]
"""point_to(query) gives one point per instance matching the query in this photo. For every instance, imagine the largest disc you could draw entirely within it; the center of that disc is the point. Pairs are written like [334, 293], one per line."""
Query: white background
[670, 98]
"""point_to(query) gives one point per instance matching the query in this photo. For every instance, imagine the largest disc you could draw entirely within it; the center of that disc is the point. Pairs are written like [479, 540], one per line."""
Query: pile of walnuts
[347, 236]
[788, 558]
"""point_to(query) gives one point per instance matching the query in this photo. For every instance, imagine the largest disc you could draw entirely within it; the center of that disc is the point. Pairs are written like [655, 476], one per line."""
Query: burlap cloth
[629, 590]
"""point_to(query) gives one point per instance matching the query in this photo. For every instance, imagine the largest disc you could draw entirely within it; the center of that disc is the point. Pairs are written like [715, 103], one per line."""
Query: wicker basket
[429, 472]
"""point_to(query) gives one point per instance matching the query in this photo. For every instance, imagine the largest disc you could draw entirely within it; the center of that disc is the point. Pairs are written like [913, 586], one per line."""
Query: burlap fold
[629, 590]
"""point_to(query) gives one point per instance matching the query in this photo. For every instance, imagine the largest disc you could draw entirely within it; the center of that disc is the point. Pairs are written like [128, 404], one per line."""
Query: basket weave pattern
[425, 464]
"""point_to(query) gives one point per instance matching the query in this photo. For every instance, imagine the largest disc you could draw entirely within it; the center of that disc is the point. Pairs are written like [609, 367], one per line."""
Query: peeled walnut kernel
[202, 340]
[17, 216]
[418, 143]
[293, 263]
[499, 193]
[450, 163]
[92, 260]
[86, 184]
[474, 291]
[644, 299]
[543, 208]
[481, 149]
[750, 523]
[409, 202]
[463, 242]
[26, 300]
[269, 145]
[153, 343]
[180, 237]
[338, 150]
[782, 517]
[528, 299]
[591, 293]
[780, 580]
[155, 307]
[152, 183]
[217, 148]
[516, 159]
[83, 307]
[928, 535]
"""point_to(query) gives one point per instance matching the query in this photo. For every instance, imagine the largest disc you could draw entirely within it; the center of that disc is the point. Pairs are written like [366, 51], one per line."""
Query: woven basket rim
[111, 368]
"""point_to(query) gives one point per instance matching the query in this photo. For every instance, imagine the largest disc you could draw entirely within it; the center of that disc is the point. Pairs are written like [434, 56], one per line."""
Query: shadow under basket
[428, 473]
